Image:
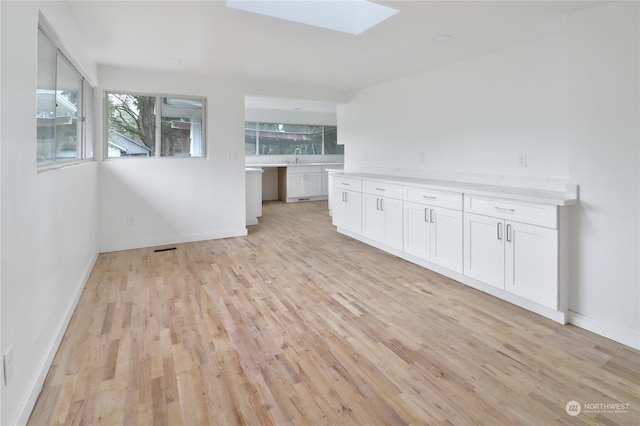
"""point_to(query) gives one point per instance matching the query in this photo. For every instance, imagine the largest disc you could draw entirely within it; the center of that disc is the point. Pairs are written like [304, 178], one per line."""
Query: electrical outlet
[7, 365]
[423, 157]
[522, 160]
[131, 221]
[364, 157]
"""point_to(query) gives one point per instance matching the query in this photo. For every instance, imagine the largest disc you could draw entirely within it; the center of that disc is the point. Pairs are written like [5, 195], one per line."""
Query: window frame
[158, 124]
[257, 130]
[87, 122]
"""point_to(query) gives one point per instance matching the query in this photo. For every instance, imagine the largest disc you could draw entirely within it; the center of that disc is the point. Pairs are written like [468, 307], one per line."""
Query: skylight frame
[347, 16]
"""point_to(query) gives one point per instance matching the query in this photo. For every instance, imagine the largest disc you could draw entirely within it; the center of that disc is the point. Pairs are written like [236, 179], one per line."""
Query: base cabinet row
[485, 239]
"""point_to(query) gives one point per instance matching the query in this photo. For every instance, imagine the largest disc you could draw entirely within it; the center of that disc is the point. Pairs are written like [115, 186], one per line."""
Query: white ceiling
[208, 37]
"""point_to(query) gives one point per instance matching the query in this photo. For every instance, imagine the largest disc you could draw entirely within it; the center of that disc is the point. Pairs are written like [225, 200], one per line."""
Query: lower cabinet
[517, 257]
[479, 240]
[433, 234]
[300, 185]
[346, 210]
[382, 220]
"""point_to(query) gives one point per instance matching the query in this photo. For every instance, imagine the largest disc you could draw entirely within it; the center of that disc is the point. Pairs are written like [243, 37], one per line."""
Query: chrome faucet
[298, 153]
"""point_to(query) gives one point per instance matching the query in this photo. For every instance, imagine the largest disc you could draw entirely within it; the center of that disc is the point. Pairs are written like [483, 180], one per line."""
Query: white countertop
[558, 198]
[292, 164]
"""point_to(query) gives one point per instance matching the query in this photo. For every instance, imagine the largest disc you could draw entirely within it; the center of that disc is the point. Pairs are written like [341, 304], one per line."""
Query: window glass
[181, 127]
[290, 139]
[68, 102]
[46, 100]
[331, 141]
[250, 138]
[131, 125]
[62, 120]
[283, 139]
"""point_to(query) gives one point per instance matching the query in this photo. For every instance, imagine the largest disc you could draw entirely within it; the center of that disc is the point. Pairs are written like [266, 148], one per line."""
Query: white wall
[48, 219]
[175, 200]
[570, 102]
[266, 115]
[605, 160]
[473, 117]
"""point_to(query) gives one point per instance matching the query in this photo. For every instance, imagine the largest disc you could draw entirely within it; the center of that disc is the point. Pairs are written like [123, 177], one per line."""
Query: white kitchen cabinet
[518, 257]
[484, 249]
[347, 205]
[531, 262]
[382, 219]
[304, 183]
[433, 234]
[508, 242]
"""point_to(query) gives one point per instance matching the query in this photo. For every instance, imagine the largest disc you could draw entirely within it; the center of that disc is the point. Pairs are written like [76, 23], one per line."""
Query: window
[63, 108]
[154, 125]
[285, 139]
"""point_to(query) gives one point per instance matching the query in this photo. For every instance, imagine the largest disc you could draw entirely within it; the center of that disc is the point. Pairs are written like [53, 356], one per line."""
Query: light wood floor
[296, 324]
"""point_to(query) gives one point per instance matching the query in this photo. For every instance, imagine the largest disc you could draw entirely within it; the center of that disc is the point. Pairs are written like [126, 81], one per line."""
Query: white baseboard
[614, 332]
[174, 239]
[27, 407]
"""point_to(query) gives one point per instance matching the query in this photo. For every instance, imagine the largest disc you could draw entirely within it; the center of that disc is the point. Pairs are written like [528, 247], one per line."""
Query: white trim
[25, 411]
[176, 239]
[623, 335]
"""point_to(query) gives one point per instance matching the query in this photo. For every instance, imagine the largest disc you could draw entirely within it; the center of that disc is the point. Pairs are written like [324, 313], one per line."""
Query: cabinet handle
[508, 232]
[345, 184]
[425, 215]
[428, 197]
[502, 209]
[431, 216]
[381, 209]
[499, 230]
[346, 197]
[380, 189]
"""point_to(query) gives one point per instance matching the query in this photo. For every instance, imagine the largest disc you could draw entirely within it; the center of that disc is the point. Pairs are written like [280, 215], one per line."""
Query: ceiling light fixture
[348, 16]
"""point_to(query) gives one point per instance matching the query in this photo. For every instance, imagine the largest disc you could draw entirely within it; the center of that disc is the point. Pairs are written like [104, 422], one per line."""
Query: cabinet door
[446, 238]
[392, 222]
[531, 263]
[353, 212]
[417, 230]
[484, 249]
[295, 185]
[313, 184]
[372, 218]
[339, 209]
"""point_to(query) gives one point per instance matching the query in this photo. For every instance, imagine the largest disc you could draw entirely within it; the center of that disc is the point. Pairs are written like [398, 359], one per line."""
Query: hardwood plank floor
[296, 324]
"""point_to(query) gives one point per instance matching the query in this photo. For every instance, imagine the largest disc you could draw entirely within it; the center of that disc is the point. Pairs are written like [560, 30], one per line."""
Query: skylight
[348, 16]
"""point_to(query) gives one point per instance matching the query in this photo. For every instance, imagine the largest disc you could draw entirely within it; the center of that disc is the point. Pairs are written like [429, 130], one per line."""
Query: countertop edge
[543, 196]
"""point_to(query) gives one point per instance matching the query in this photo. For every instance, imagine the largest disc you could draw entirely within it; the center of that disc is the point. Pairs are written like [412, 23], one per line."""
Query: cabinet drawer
[449, 200]
[296, 170]
[382, 189]
[533, 213]
[347, 183]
